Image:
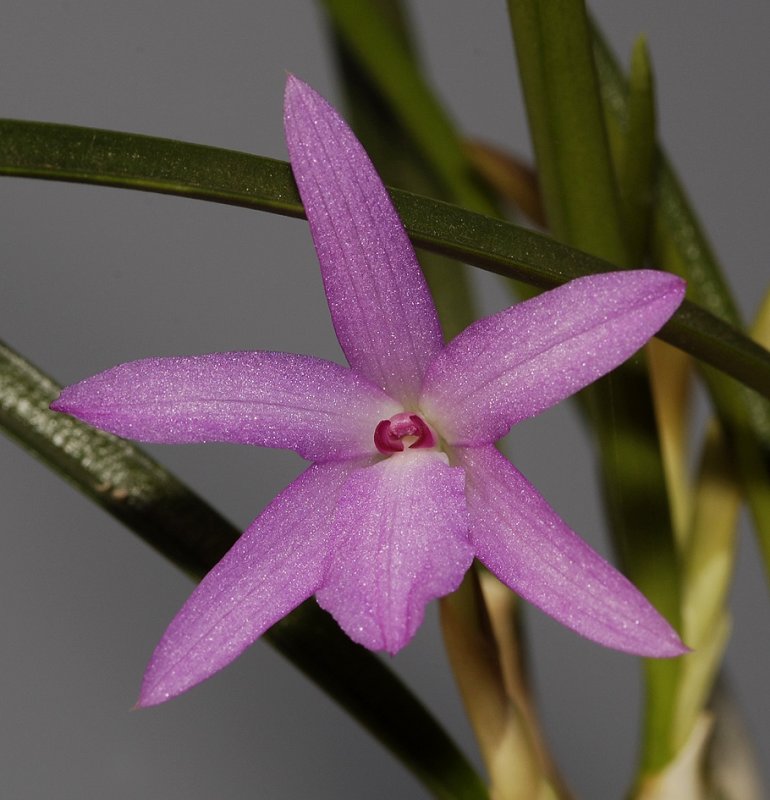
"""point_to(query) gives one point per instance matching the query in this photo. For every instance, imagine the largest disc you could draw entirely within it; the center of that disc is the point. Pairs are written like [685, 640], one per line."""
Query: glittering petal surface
[521, 361]
[519, 537]
[376, 538]
[380, 304]
[401, 541]
[277, 563]
[318, 408]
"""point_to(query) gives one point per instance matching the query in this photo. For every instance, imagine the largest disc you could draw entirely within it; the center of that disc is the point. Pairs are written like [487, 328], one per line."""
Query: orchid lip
[404, 427]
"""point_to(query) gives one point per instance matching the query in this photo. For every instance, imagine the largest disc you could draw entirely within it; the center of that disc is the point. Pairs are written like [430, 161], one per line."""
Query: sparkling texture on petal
[401, 541]
[320, 409]
[519, 537]
[382, 310]
[519, 362]
[278, 562]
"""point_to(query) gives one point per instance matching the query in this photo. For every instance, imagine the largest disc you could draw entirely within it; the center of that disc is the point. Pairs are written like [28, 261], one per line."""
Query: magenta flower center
[390, 435]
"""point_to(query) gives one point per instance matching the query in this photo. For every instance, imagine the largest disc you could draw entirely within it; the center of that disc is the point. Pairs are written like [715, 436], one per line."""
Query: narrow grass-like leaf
[380, 48]
[566, 123]
[130, 161]
[582, 201]
[711, 554]
[636, 165]
[708, 568]
[671, 372]
[167, 515]
[680, 245]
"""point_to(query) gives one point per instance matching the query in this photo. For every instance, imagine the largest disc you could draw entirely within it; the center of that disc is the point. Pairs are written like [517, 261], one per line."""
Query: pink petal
[277, 563]
[521, 361]
[402, 540]
[520, 538]
[318, 408]
[380, 304]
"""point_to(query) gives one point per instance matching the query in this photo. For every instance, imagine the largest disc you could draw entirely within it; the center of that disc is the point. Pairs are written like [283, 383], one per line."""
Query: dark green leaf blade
[582, 198]
[131, 161]
[638, 158]
[567, 127]
[373, 36]
[680, 245]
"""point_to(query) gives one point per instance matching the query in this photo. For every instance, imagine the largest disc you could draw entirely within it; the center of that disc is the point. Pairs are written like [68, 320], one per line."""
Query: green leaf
[131, 161]
[708, 570]
[680, 246]
[638, 159]
[567, 126]
[582, 201]
[371, 32]
[160, 509]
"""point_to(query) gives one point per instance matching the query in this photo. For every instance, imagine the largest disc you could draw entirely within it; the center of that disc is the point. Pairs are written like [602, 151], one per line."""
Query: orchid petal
[519, 537]
[521, 361]
[278, 562]
[402, 540]
[318, 408]
[382, 310]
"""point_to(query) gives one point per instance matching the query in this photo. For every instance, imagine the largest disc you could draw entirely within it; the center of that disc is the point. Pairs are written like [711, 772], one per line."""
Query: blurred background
[92, 276]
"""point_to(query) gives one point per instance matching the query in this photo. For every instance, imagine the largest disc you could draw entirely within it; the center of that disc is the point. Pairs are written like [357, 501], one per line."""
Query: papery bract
[406, 486]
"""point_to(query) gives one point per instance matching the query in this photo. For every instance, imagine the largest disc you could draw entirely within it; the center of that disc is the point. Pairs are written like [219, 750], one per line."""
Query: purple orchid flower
[406, 485]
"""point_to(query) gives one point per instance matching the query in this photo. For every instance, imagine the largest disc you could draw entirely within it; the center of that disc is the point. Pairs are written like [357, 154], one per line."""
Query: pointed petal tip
[74, 400]
[670, 284]
[654, 288]
[659, 640]
[159, 685]
[150, 695]
[649, 636]
[522, 540]
[665, 291]
[671, 647]
[296, 89]
[81, 402]
[142, 703]
[640, 283]
[294, 84]
[67, 403]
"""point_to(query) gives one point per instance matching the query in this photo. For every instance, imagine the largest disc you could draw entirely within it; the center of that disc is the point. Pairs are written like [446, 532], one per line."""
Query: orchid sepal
[406, 486]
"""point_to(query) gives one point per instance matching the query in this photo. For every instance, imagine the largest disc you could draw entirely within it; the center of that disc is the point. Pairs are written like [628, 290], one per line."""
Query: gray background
[91, 277]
